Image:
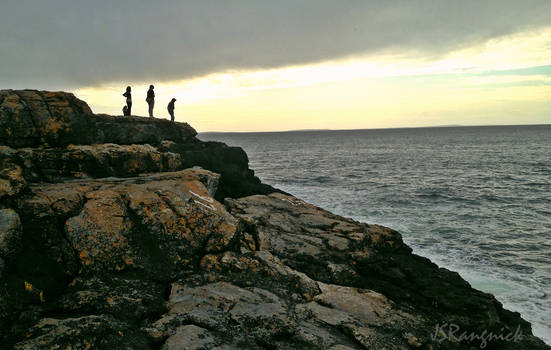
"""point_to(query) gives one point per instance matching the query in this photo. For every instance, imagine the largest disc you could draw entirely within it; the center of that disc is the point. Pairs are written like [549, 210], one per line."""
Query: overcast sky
[66, 44]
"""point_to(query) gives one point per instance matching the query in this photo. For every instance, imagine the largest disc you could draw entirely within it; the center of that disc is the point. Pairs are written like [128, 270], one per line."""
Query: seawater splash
[472, 199]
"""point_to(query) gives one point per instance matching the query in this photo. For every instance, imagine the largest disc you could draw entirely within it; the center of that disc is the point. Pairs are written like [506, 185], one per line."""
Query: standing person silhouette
[150, 100]
[170, 108]
[128, 96]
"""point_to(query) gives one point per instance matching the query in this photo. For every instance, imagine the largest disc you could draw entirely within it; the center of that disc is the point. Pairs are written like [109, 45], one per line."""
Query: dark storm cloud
[73, 42]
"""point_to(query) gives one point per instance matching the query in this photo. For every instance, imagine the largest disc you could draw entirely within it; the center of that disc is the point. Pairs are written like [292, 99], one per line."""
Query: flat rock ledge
[112, 245]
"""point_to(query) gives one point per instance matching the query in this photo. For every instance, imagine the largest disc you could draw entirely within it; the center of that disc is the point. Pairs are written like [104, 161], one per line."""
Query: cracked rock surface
[118, 242]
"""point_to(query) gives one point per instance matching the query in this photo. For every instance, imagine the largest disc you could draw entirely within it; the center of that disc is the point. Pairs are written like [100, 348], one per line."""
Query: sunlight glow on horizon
[385, 90]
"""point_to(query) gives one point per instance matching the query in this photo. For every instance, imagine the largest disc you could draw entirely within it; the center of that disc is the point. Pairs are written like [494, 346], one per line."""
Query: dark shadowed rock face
[118, 246]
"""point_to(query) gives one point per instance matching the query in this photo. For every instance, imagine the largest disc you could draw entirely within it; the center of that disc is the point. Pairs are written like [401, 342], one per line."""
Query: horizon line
[361, 129]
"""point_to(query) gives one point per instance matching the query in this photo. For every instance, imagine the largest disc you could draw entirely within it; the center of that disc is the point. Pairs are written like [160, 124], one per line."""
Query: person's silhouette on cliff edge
[170, 108]
[128, 96]
[150, 100]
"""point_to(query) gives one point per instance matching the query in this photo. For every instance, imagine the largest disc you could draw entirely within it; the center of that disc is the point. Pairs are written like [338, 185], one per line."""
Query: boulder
[30, 118]
[162, 228]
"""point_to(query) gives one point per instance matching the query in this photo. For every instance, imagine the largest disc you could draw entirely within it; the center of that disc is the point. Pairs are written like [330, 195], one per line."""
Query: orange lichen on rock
[52, 126]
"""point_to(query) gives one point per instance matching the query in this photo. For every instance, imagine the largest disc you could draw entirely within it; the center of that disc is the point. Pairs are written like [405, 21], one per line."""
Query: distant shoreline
[369, 129]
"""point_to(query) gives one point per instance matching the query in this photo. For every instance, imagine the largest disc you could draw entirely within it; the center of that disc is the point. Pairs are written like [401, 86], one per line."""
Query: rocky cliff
[111, 237]
[53, 136]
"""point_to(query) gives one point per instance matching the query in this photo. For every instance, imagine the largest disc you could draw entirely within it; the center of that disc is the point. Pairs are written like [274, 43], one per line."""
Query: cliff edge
[130, 233]
[52, 136]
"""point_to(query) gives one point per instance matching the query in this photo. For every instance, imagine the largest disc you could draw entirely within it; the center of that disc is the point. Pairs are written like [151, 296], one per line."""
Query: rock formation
[52, 136]
[130, 233]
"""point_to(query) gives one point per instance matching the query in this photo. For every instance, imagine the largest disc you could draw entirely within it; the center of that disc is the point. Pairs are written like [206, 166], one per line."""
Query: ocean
[476, 200]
